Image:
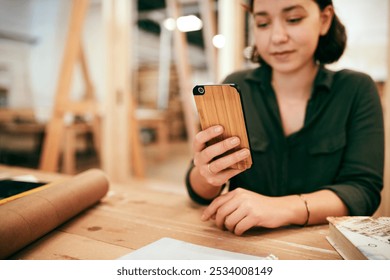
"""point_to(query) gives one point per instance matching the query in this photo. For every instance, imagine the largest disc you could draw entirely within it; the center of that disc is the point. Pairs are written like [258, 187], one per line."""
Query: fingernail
[234, 141]
[203, 218]
[244, 153]
[218, 129]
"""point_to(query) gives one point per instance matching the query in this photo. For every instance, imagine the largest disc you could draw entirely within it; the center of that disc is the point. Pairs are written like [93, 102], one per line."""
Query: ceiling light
[169, 24]
[219, 41]
[189, 23]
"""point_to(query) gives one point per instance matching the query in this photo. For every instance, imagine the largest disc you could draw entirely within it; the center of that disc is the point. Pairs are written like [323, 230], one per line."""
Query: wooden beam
[231, 24]
[89, 90]
[52, 144]
[184, 72]
[209, 30]
[117, 19]
[164, 70]
[89, 104]
[79, 107]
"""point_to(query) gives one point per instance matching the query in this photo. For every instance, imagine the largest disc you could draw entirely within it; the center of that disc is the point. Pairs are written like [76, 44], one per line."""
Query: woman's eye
[262, 24]
[294, 20]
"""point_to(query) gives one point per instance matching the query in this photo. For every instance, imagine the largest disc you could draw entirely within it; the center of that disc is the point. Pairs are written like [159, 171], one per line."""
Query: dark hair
[330, 47]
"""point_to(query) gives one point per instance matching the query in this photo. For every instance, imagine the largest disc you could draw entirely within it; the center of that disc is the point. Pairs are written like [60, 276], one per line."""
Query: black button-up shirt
[340, 147]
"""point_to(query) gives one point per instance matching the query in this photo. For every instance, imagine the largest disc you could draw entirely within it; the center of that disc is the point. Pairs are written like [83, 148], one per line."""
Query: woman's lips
[281, 54]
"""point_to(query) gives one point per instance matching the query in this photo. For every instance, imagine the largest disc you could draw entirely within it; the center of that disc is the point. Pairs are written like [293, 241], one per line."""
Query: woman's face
[287, 32]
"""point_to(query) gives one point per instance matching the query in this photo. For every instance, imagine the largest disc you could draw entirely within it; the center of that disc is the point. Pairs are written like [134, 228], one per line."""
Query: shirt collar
[262, 75]
[324, 79]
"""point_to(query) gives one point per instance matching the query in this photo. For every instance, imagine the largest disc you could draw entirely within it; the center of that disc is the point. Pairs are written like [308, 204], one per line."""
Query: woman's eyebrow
[284, 10]
[291, 8]
[261, 13]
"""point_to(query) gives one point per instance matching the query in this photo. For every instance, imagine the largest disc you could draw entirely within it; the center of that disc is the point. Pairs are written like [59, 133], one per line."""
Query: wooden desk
[134, 215]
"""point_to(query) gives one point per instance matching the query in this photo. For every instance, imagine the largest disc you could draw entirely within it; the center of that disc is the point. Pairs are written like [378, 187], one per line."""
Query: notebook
[173, 249]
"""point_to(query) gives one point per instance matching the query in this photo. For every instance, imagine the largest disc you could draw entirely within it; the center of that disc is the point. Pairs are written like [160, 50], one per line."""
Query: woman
[317, 137]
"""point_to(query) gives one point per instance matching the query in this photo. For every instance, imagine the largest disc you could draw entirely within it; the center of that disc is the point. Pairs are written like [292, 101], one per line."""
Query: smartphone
[12, 189]
[221, 105]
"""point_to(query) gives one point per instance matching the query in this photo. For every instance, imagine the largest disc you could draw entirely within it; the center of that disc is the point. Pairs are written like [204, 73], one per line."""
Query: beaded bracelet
[307, 210]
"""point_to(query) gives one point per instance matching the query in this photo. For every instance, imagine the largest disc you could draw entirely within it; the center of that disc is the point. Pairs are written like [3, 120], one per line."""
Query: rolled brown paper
[28, 218]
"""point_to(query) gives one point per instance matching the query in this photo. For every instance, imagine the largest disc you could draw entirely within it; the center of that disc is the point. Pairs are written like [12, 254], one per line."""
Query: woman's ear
[327, 15]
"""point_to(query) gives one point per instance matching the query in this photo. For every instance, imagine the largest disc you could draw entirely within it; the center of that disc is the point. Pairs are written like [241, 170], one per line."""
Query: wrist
[299, 210]
[201, 187]
[304, 200]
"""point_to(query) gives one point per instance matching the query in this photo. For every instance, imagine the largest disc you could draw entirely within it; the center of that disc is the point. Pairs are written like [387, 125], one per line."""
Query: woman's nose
[279, 33]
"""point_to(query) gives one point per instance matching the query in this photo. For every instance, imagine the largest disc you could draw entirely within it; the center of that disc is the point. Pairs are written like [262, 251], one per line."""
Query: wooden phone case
[221, 104]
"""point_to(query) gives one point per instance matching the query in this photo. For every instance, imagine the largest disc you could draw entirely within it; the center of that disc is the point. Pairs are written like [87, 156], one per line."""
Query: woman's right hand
[217, 172]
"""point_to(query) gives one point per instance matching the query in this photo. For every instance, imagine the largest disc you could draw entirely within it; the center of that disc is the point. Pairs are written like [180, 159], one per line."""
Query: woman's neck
[297, 84]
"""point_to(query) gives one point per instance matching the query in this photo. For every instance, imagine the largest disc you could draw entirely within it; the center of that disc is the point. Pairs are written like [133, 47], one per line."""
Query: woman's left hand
[240, 210]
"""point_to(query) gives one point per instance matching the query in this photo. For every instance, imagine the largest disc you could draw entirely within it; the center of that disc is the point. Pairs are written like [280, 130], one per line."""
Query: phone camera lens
[201, 90]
